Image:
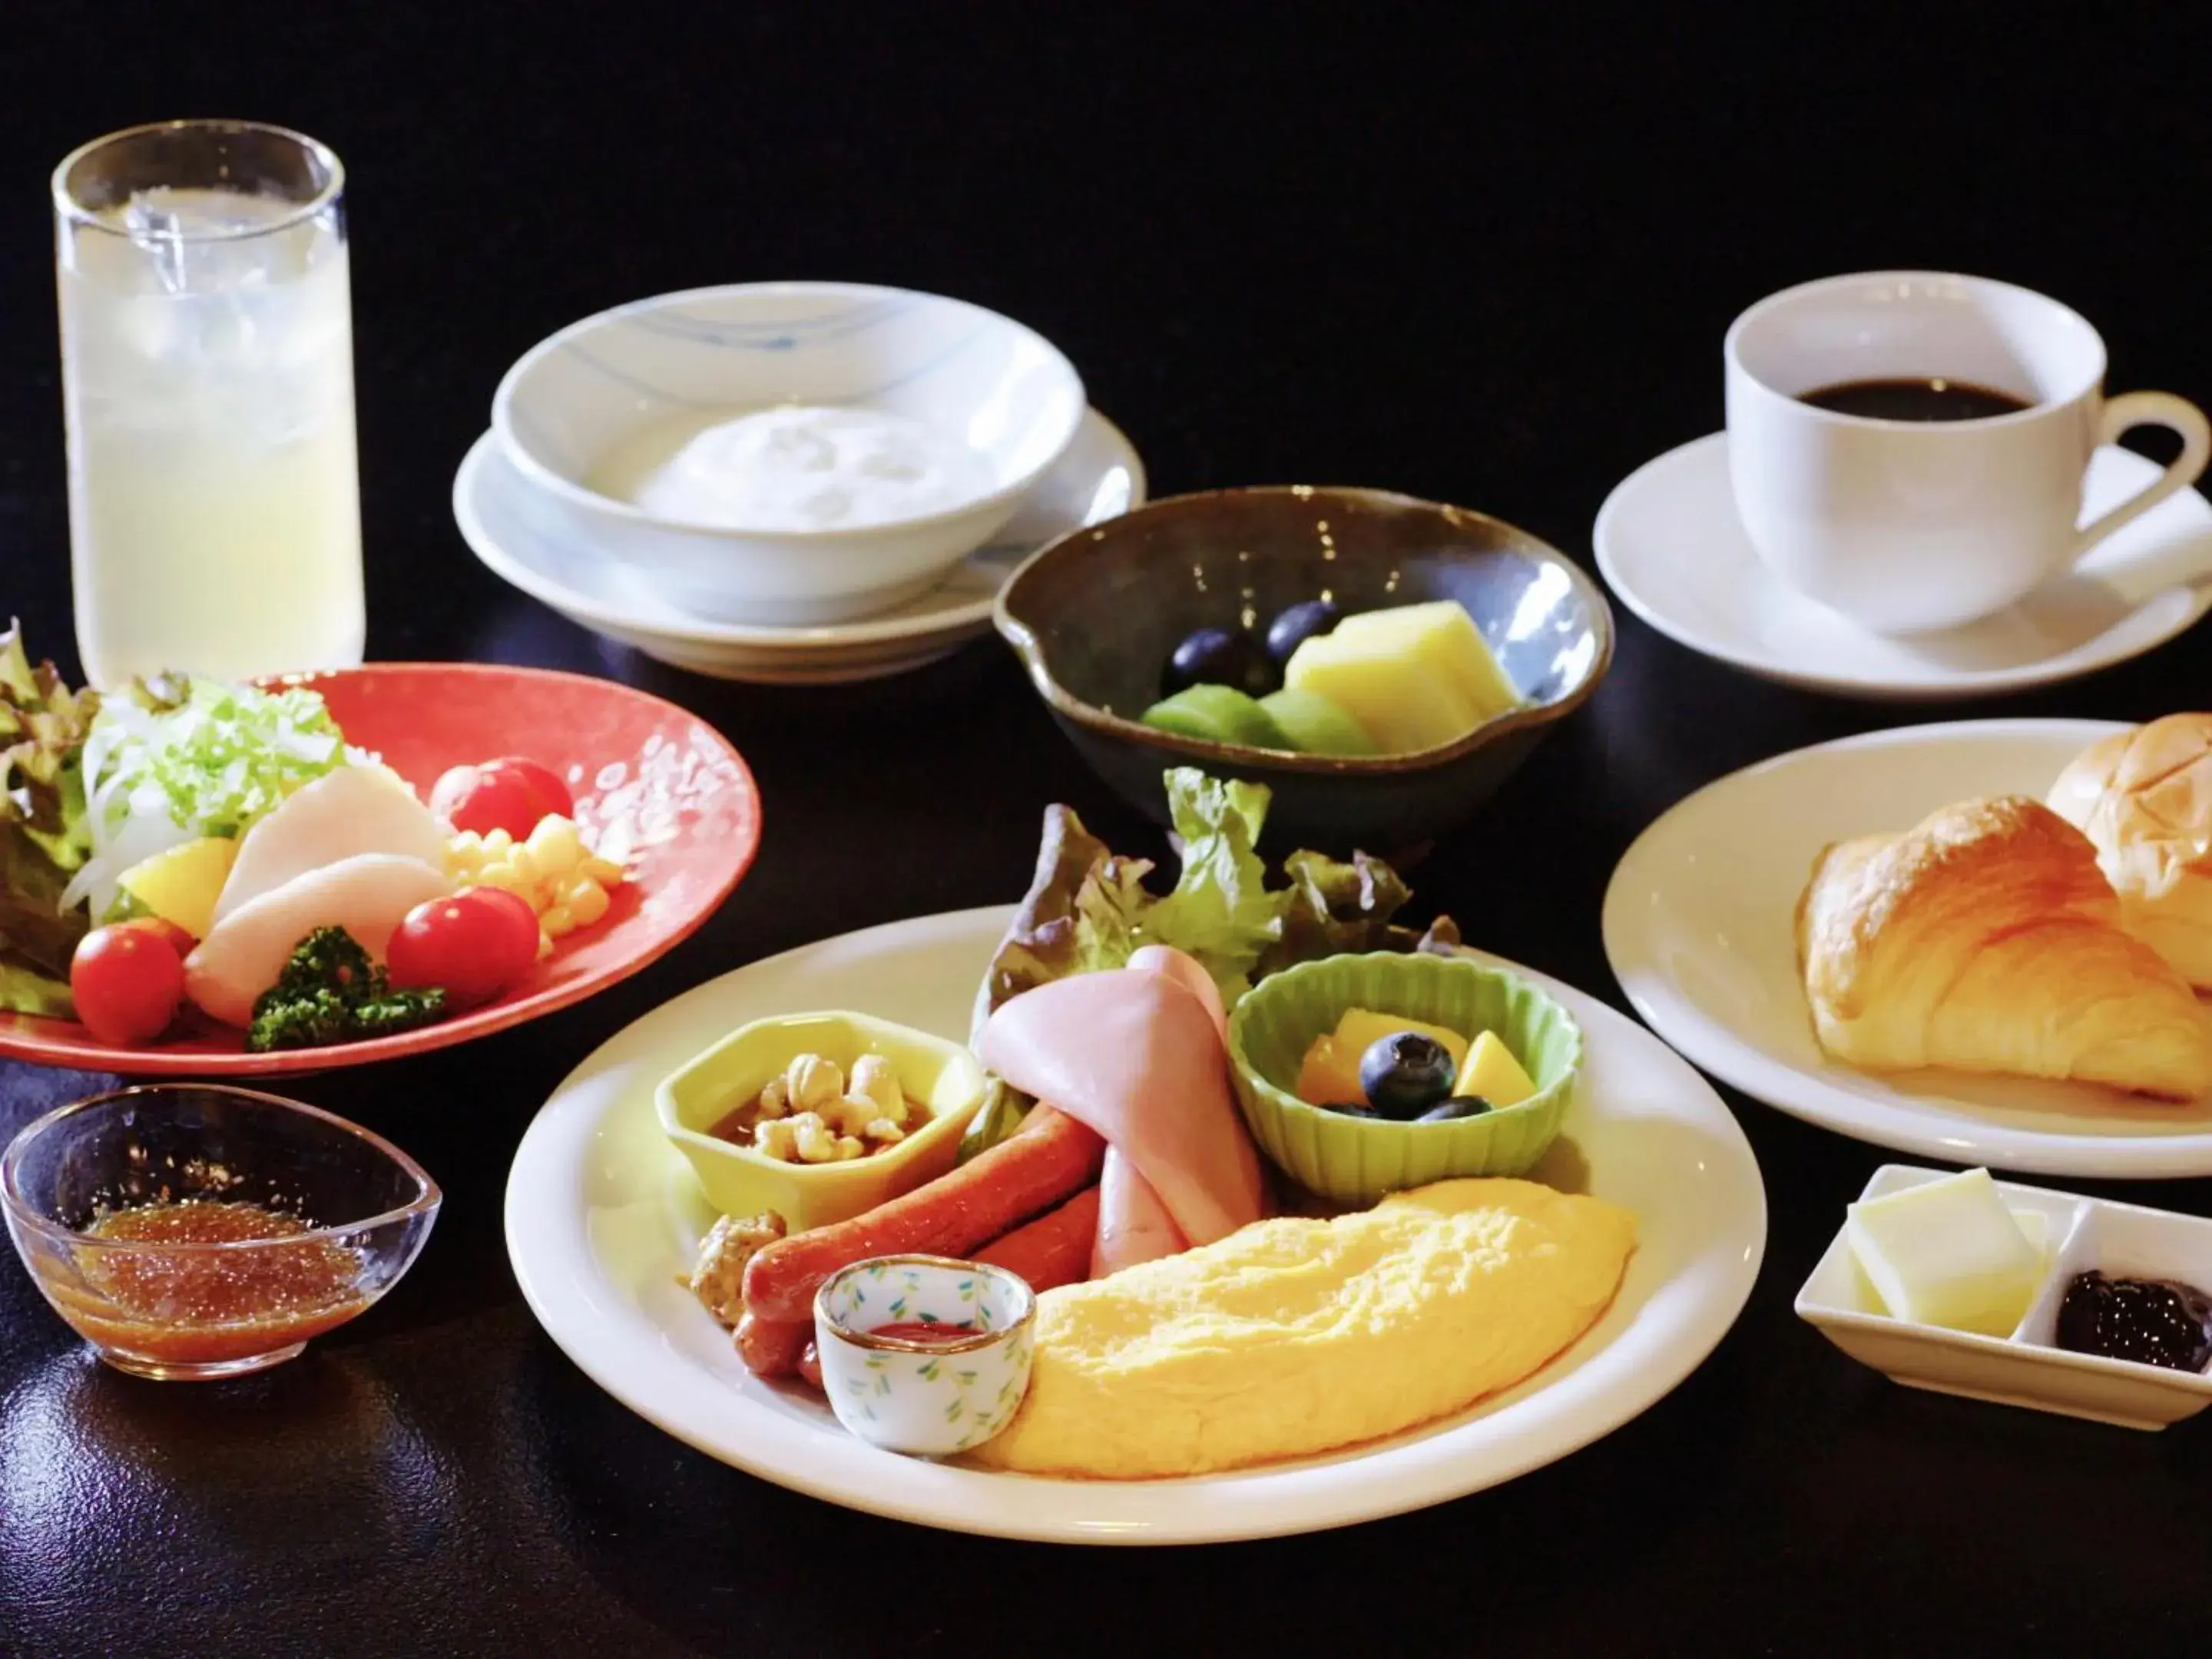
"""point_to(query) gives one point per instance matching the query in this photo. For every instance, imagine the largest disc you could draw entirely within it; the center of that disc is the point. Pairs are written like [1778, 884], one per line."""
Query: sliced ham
[1137, 1053]
[1184, 971]
[1133, 1223]
[366, 895]
[352, 810]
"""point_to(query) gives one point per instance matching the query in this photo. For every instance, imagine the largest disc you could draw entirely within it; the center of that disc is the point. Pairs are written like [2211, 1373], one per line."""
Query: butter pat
[1947, 1253]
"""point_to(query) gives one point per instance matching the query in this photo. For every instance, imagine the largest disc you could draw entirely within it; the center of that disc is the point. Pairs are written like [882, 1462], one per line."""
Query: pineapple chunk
[1493, 1073]
[1360, 1029]
[181, 885]
[1325, 1079]
[1416, 676]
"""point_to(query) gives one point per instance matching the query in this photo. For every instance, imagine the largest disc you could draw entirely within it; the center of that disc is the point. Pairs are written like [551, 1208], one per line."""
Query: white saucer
[1098, 478]
[1670, 545]
[1699, 929]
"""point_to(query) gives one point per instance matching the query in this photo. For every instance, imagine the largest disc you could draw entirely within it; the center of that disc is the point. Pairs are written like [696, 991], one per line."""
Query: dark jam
[914, 1331]
[2152, 1321]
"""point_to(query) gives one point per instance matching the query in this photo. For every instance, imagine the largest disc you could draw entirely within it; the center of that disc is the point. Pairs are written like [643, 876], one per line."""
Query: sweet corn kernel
[554, 844]
[558, 922]
[504, 877]
[588, 903]
[606, 871]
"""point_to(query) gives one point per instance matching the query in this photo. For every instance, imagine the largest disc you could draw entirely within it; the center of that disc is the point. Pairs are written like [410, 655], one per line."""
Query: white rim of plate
[479, 471]
[1675, 1329]
[1915, 1124]
[1960, 684]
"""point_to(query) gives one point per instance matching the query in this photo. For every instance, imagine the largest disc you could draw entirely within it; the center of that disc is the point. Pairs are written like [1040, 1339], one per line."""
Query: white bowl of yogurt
[787, 453]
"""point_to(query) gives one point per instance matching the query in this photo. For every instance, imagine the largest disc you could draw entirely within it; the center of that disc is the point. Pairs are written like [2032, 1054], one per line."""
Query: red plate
[630, 758]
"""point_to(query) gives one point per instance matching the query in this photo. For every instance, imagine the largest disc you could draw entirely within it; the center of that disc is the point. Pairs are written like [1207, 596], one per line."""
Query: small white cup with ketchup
[923, 1354]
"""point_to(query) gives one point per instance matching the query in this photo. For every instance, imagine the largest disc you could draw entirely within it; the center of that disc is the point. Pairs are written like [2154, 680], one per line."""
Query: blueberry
[1294, 624]
[1458, 1106]
[1405, 1074]
[1222, 656]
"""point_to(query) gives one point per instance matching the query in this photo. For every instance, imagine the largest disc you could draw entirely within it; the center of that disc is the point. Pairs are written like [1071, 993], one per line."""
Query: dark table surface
[1491, 267]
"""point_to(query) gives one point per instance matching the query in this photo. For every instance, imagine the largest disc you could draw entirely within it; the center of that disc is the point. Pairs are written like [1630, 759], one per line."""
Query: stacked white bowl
[680, 362]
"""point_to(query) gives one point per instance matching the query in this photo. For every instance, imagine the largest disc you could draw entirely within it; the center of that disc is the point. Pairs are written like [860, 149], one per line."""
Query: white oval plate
[1670, 545]
[1699, 921]
[1099, 478]
[603, 1216]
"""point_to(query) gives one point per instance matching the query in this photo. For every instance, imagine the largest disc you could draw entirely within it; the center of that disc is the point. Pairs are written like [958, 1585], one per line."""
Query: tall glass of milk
[207, 384]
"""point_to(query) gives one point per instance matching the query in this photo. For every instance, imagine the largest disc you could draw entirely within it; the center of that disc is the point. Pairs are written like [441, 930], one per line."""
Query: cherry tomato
[128, 982]
[514, 910]
[178, 939]
[509, 793]
[475, 944]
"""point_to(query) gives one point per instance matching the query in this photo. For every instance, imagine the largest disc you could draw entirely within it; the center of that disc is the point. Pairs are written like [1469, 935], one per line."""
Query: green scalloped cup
[1358, 1160]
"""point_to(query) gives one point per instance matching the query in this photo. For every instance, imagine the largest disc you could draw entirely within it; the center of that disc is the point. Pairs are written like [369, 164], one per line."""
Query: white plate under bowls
[1698, 927]
[603, 1215]
[1671, 546]
[1099, 478]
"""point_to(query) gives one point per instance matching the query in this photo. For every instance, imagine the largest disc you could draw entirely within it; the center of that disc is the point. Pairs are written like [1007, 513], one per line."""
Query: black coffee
[1930, 399]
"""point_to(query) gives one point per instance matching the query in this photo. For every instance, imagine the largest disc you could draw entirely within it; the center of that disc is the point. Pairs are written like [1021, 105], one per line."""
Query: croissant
[2143, 797]
[1986, 939]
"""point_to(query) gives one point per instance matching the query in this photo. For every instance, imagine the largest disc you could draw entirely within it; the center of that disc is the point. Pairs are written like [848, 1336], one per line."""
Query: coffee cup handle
[2176, 415]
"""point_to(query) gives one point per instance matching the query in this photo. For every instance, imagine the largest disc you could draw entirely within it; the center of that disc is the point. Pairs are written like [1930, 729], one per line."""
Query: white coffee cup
[1908, 526]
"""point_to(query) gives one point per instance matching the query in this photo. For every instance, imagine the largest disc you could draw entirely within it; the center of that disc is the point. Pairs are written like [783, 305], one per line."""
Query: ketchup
[912, 1331]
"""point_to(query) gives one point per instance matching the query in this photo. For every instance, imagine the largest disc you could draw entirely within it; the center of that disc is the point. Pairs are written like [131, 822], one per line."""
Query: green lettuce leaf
[25, 990]
[1335, 908]
[1081, 915]
[1221, 911]
[44, 837]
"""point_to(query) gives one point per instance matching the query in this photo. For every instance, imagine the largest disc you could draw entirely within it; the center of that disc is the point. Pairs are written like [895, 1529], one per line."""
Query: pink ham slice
[1133, 1223]
[1137, 1055]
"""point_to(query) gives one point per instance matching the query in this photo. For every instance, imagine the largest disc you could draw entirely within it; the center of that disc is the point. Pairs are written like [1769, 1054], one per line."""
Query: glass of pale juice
[207, 384]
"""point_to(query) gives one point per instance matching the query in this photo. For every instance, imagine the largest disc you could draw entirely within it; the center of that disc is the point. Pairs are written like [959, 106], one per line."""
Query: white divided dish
[998, 394]
[1698, 927]
[1098, 477]
[2123, 1241]
[1672, 548]
[604, 1219]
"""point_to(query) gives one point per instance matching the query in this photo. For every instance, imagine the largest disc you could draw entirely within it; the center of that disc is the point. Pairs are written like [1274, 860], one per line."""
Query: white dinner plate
[1670, 544]
[1099, 478]
[603, 1216]
[1700, 929]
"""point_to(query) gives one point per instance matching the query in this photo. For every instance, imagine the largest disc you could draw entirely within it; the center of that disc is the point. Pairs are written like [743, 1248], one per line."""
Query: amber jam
[190, 1305]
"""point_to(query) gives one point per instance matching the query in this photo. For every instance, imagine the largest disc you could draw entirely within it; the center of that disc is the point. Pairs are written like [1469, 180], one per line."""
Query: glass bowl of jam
[190, 1232]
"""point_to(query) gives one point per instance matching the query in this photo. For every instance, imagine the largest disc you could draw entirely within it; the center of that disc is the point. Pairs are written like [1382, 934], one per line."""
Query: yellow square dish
[942, 1076]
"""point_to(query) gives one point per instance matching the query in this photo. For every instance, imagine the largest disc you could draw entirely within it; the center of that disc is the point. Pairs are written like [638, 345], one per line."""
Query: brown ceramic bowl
[1095, 614]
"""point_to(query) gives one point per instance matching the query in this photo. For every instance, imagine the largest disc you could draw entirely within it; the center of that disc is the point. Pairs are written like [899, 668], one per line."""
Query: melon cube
[1443, 638]
[1415, 677]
